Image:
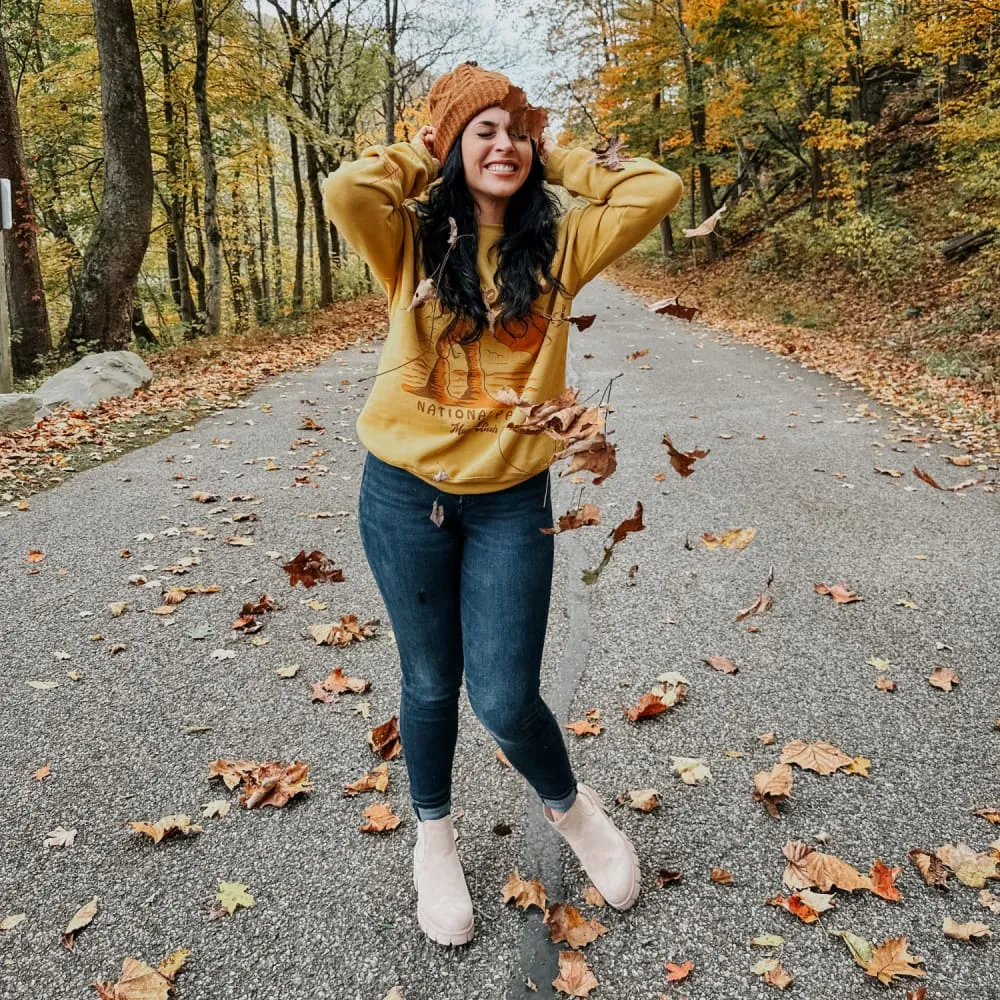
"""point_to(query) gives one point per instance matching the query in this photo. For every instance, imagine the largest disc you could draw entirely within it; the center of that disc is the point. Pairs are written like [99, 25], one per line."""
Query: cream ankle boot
[606, 854]
[444, 907]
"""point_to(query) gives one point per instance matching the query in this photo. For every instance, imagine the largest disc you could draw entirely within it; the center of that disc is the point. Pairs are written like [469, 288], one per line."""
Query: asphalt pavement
[130, 736]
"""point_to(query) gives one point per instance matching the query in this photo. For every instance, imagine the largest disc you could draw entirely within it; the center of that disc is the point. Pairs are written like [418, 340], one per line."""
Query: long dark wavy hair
[526, 248]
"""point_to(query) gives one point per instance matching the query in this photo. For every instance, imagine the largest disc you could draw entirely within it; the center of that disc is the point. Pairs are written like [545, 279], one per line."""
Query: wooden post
[6, 222]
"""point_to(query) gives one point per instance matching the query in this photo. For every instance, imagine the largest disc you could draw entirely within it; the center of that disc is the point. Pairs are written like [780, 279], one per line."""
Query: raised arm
[364, 199]
[624, 206]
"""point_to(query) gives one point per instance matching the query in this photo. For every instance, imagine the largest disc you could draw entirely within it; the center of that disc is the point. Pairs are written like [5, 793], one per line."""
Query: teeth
[501, 168]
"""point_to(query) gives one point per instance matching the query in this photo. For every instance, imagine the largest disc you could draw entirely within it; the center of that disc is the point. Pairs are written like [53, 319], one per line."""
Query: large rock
[19, 409]
[95, 377]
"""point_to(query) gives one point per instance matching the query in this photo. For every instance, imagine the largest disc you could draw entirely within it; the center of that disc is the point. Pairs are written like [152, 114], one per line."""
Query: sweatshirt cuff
[556, 164]
[426, 159]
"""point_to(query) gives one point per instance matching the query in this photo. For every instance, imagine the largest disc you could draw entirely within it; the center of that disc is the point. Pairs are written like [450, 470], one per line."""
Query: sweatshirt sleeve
[624, 206]
[364, 199]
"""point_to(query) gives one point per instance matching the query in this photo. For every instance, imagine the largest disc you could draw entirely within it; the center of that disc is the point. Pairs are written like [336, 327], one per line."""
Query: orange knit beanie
[457, 97]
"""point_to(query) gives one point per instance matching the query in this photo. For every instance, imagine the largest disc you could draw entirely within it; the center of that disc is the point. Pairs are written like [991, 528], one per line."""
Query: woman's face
[497, 162]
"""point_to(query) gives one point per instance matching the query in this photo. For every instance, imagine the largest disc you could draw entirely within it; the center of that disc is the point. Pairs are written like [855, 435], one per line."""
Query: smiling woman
[480, 270]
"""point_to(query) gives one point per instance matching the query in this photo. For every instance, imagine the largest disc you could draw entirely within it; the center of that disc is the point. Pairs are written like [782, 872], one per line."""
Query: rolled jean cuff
[434, 812]
[563, 804]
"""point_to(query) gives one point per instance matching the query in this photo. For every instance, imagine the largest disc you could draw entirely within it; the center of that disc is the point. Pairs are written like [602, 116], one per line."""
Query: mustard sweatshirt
[433, 408]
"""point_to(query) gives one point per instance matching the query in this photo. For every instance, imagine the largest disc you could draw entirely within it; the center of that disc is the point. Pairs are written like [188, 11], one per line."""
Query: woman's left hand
[545, 146]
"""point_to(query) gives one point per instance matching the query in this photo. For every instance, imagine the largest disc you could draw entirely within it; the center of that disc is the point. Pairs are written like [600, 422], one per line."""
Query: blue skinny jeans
[469, 595]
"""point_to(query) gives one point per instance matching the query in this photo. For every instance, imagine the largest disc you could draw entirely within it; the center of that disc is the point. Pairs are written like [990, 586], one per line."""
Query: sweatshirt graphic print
[434, 407]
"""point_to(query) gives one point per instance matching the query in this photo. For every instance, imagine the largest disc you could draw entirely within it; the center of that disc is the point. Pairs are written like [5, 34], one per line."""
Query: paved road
[792, 454]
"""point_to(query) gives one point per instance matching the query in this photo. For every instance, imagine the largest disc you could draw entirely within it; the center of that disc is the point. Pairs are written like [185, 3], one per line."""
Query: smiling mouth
[501, 168]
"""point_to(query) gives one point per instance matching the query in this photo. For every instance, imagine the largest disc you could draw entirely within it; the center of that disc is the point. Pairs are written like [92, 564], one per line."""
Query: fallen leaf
[373, 781]
[967, 931]
[78, 921]
[502, 758]
[10, 922]
[763, 603]
[771, 971]
[932, 869]
[42, 773]
[767, 739]
[379, 818]
[637, 354]
[139, 981]
[215, 809]
[691, 770]
[312, 569]
[566, 923]
[223, 654]
[165, 827]
[840, 592]
[665, 877]
[43, 685]
[883, 880]
[676, 973]
[772, 788]
[970, 867]
[523, 894]
[384, 739]
[60, 837]
[859, 765]
[722, 663]
[894, 473]
[585, 727]
[275, 784]
[735, 538]
[796, 906]
[647, 706]
[233, 896]
[575, 978]
[592, 896]
[722, 876]
[884, 684]
[768, 941]
[823, 758]
[943, 677]
[931, 481]
[288, 671]
[887, 962]
[991, 814]
[640, 799]
[991, 902]
[807, 868]
[343, 634]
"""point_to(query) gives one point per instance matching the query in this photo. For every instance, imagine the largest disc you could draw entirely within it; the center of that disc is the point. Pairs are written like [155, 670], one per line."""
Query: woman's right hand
[425, 138]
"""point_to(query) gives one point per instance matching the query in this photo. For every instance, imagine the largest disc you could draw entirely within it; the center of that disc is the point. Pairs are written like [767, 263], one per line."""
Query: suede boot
[444, 907]
[606, 854]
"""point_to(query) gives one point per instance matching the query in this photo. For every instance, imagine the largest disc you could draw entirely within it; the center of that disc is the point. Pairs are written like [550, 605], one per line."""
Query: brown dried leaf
[379, 818]
[932, 869]
[943, 677]
[640, 799]
[78, 921]
[763, 603]
[523, 894]
[384, 739]
[139, 981]
[840, 592]
[274, 783]
[584, 516]
[373, 781]
[647, 706]
[721, 876]
[575, 978]
[566, 923]
[167, 826]
[425, 290]
[990, 813]
[676, 973]
[823, 758]
[891, 960]
[708, 226]
[883, 880]
[967, 931]
[592, 896]
[735, 538]
[796, 906]
[582, 322]
[970, 867]
[721, 663]
[773, 787]
[585, 727]
[683, 461]
[611, 153]
[312, 569]
[807, 868]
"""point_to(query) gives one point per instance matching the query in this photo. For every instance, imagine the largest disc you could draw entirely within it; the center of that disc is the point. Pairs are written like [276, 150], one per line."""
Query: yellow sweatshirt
[433, 407]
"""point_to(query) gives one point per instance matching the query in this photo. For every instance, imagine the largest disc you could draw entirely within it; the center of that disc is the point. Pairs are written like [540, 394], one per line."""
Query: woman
[452, 500]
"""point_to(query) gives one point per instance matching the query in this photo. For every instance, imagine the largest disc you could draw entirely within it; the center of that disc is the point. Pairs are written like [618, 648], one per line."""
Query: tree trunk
[666, 237]
[180, 284]
[213, 236]
[102, 302]
[389, 98]
[298, 286]
[316, 196]
[29, 320]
